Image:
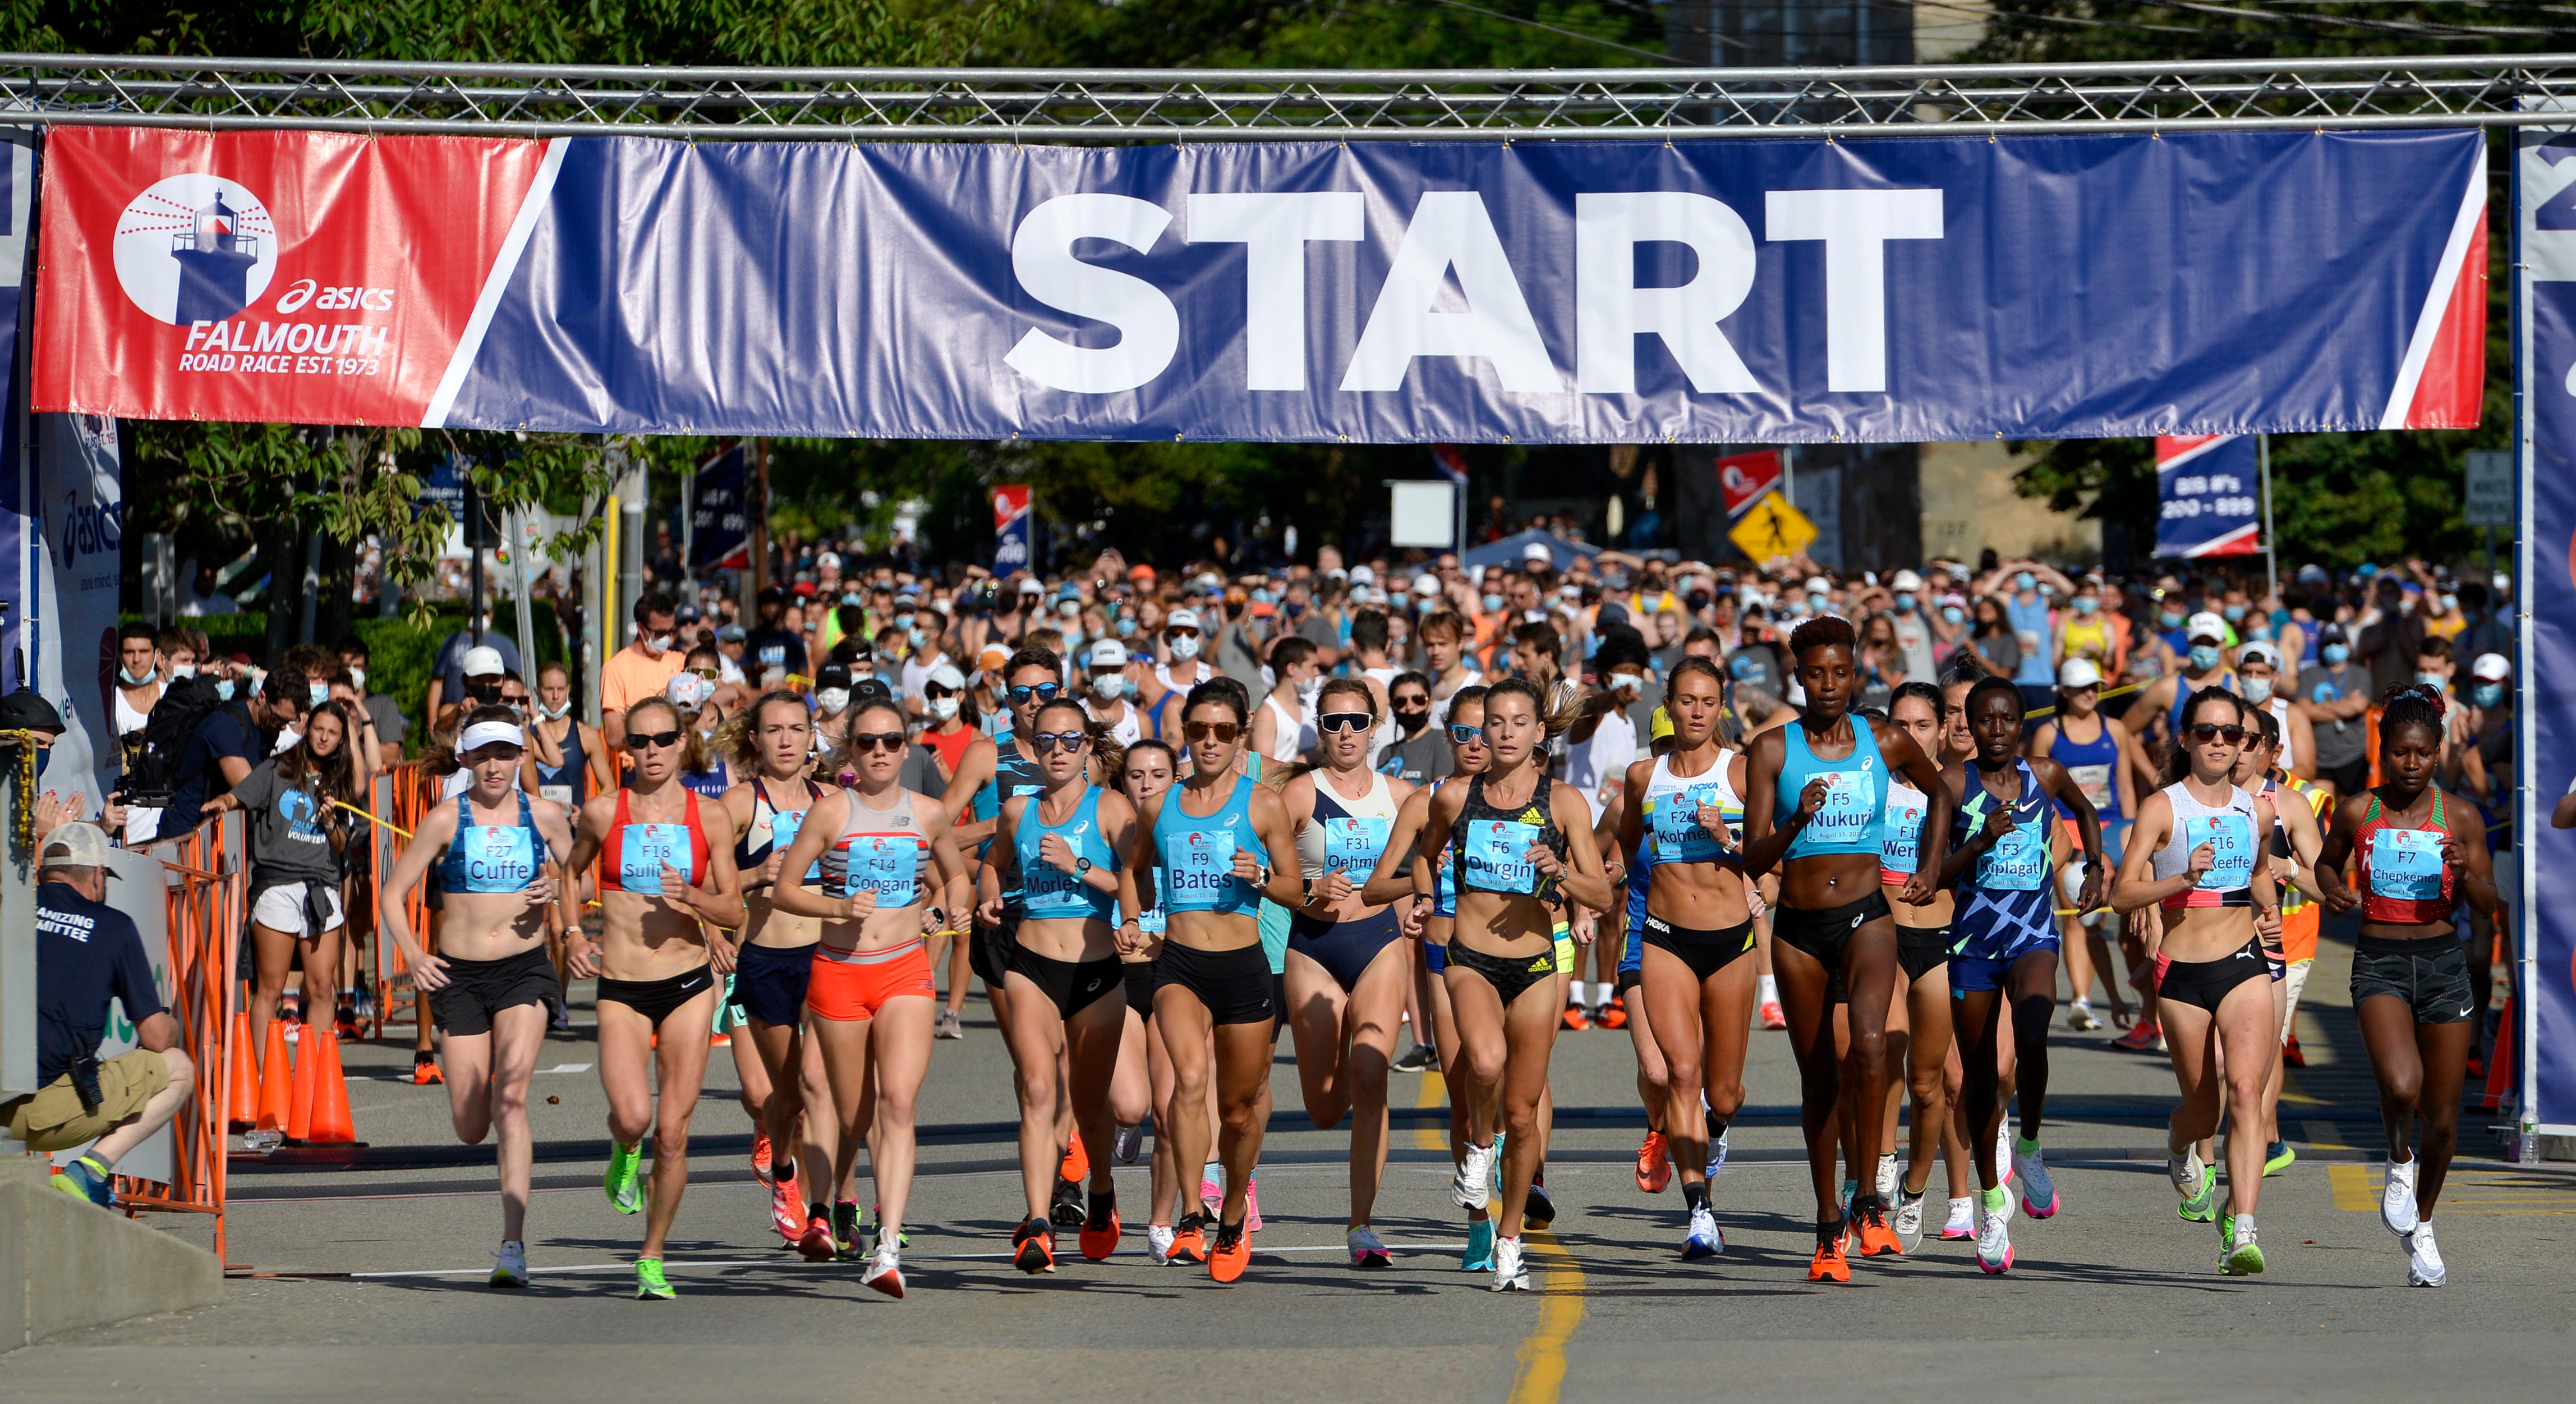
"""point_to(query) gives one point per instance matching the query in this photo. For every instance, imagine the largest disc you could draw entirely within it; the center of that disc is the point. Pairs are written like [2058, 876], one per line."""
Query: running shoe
[2004, 1154]
[849, 1231]
[2290, 1054]
[1066, 1208]
[2038, 1191]
[720, 1039]
[510, 1265]
[2244, 1255]
[1126, 1142]
[1252, 1205]
[2195, 1183]
[1077, 1161]
[1033, 1247]
[902, 1237]
[1576, 1021]
[1232, 1252]
[2423, 1258]
[1419, 1058]
[1613, 1013]
[1366, 1249]
[1830, 1263]
[786, 1212]
[762, 1168]
[2147, 1036]
[1509, 1275]
[1158, 1243]
[88, 1178]
[1539, 1210]
[562, 1022]
[625, 1195]
[1654, 1164]
[1100, 1228]
[885, 1273]
[650, 1284]
[344, 1022]
[2277, 1157]
[1211, 1195]
[816, 1244]
[1962, 1222]
[1717, 1153]
[1189, 1238]
[950, 1026]
[1994, 1240]
[1473, 1186]
[1850, 1192]
[1772, 1016]
[424, 1070]
[1909, 1220]
[2397, 1199]
[1706, 1239]
[2080, 1017]
[1501, 1139]
[1887, 1178]
[1875, 1236]
[2475, 1067]
[1479, 1256]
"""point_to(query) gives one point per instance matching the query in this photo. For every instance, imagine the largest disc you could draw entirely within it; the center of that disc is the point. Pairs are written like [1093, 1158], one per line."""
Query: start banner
[1901, 289]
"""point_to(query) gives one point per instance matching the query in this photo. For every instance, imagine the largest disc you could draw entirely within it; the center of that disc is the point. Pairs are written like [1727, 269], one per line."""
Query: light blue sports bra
[1049, 892]
[1854, 807]
[1198, 854]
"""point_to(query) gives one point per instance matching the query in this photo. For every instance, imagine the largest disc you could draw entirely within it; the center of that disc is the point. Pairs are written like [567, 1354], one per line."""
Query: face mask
[1185, 648]
[2258, 690]
[1110, 688]
[2233, 613]
[1626, 682]
[2025, 581]
[2086, 604]
[554, 713]
[317, 693]
[658, 646]
[2334, 654]
[1294, 608]
[2170, 619]
[915, 635]
[851, 597]
[183, 670]
[1126, 627]
[2406, 605]
[1904, 603]
[2204, 657]
[832, 700]
[358, 678]
[1493, 604]
[132, 681]
[1069, 608]
[1953, 614]
[2450, 603]
[903, 620]
[2488, 695]
[223, 689]
[942, 708]
[2433, 680]
[1310, 688]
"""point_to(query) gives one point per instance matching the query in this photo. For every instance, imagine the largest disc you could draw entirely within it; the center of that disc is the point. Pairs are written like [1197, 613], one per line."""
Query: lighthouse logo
[195, 248]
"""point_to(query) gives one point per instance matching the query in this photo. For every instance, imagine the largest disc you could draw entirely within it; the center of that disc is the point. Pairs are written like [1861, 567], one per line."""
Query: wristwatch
[1082, 867]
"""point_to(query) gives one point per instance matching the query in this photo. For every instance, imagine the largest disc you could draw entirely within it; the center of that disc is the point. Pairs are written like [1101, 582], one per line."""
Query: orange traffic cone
[244, 1094]
[276, 1081]
[330, 1122]
[299, 1107]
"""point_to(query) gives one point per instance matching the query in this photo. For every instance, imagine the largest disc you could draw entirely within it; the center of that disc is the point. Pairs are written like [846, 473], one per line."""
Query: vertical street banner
[80, 541]
[1011, 527]
[720, 526]
[2544, 898]
[2208, 495]
[1742, 478]
[17, 466]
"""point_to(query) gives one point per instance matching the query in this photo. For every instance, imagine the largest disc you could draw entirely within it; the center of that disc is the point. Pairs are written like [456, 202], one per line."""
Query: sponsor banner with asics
[1897, 290]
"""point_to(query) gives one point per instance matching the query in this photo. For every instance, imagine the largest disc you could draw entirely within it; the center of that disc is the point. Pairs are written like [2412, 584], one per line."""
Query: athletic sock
[1767, 990]
[1601, 992]
[1994, 1199]
[819, 1210]
[1695, 1197]
[2244, 1224]
[783, 1169]
[2024, 1145]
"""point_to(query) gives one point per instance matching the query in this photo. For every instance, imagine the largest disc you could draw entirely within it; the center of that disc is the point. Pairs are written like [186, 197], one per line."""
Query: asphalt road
[2115, 1298]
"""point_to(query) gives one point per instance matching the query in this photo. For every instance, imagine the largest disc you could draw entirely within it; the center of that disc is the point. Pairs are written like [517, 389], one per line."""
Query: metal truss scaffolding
[1119, 105]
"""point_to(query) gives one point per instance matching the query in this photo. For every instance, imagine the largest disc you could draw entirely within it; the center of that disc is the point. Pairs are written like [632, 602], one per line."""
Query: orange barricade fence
[400, 797]
[205, 890]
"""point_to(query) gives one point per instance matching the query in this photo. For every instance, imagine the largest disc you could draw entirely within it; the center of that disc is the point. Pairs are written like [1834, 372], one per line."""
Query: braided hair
[2415, 704]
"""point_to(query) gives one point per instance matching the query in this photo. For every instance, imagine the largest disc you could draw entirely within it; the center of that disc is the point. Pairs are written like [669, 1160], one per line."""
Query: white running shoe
[1366, 1250]
[1994, 1238]
[1717, 1152]
[1706, 1240]
[1509, 1275]
[1158, 1242]
[2423, 1259]
[1909, 1219]
[1473, 1186]
[2003, 1153]
[2397, 1199]
[2081, 1017]
[510, 1265]
[1962, 1222]
[1887, 1178]
[885, 1273]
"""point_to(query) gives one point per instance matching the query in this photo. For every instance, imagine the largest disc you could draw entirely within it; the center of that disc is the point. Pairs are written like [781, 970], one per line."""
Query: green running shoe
[649, 1282]
[624, 1193]
[2280, 1157]
[2200, 1205]
[2243, 1256]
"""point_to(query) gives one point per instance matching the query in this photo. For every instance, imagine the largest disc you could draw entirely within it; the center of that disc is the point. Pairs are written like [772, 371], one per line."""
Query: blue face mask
[2170, 619]
[2025, 581]
[223, 689]
[2489, 695]
[2086, 604]
[915, 635]
[1126, 626]
[1493, 604]
[2233, 613]
[1953, 614]
[2334, 654]
[2433, 680]
[2204, 657]
[318, 692]
[1904, 602]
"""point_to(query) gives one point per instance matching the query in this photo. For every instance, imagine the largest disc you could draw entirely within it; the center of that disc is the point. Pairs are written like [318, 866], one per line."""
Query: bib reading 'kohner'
[1671, 808]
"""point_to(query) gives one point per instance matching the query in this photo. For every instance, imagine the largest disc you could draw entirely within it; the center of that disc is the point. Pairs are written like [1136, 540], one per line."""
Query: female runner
[1679, 815]
[667, 896]
[870, 994]
[1813, 804]
[2420, 851]
[1347, 963]
[1147, 773]
[1519, 839]
[772, 743]
[2006, 940]
[492, 986]
[1060, 849]
[1923, 963]
[1213, 838]
[2192, 855]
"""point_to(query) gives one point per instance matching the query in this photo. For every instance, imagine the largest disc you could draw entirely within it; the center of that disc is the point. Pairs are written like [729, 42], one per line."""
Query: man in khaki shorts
[87, 953]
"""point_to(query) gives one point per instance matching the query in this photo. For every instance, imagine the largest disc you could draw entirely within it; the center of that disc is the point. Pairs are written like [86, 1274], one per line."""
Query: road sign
[1423, 514]
[1772, 529]
[2488, 500]
[1744, 477]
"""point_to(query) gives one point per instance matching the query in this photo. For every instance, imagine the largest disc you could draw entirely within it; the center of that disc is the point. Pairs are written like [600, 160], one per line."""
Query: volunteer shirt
[290, 830]
[86, 954]
[1421, 760]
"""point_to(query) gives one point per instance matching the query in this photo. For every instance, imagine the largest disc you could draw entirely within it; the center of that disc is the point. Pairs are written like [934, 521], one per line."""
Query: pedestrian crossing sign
[1772, 530]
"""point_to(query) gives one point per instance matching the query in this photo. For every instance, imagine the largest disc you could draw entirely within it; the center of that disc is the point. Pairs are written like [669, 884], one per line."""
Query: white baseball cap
[2491, 667]
[484, 661]
[1181, 619]
[1817, 585]
[1362, 575]
[79, 844]
[1426, 585]
[2205, 625]
[1108, 653]
[2077, 673]
[829, 560]
[2259, 651]
[1906, 580]
[947, 676]
[1537, 551]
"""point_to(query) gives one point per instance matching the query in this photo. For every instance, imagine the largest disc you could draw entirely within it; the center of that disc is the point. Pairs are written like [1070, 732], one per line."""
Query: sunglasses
[1214, 731]
[709, 674]
[862, 742]
[1046, 742]
[1044, 692]
[1333, 723]
[654, 740]
[934, 692]
[2211, 731]
[1465, 735]
[1183, 633]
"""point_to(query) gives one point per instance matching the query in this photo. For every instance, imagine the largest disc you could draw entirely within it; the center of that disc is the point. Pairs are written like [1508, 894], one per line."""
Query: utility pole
[759, 517]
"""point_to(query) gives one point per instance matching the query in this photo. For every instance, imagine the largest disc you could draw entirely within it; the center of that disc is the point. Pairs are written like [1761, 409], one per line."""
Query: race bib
[1498, 855]
[498, 859]
[1674, 820]
[1199, 866]
[1352, 846]
[560, 794]
[784, 826]
[2231, 838]
[1851, 807]
[2095, 782]
[887, 865]
[1900, 840]
[2018, 862]
[642, 851]
[2406, 864]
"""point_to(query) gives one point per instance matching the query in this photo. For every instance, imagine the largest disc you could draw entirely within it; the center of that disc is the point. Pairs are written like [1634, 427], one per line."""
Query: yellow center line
[1433, 1092]
[1560, 1310]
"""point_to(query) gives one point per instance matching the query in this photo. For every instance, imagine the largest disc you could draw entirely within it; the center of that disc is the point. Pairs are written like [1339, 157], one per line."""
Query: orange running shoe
[1077, 1161]
[760, 1154]
[1875, 1236]
[817, 1244]
[1772, 1015]
[1232, 1253]
[1189, 1238]
[424, 1071]
[722, 1040]
[1654, 1164]
[2290, 1054]
[1613, 1014]
[1100, 1228]
[787, 1213]
[1576, 1020]
[1033, 1245]
[1829, 1264]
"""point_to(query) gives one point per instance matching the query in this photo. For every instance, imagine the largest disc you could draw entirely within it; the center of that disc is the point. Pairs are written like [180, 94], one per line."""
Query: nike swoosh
[2465, 1013]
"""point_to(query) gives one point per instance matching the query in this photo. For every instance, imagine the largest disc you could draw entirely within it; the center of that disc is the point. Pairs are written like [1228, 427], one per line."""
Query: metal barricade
[399, 798]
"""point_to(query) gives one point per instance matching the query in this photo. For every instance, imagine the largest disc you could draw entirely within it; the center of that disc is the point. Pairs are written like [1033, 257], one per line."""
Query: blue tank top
[1198, 854]
[1049, 892]
[1857, 803]
[490, 857]
[2094, 766]
[711, 782]
[2006, 901]
[574, 773]
[1640, 878]
[1014, 776]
